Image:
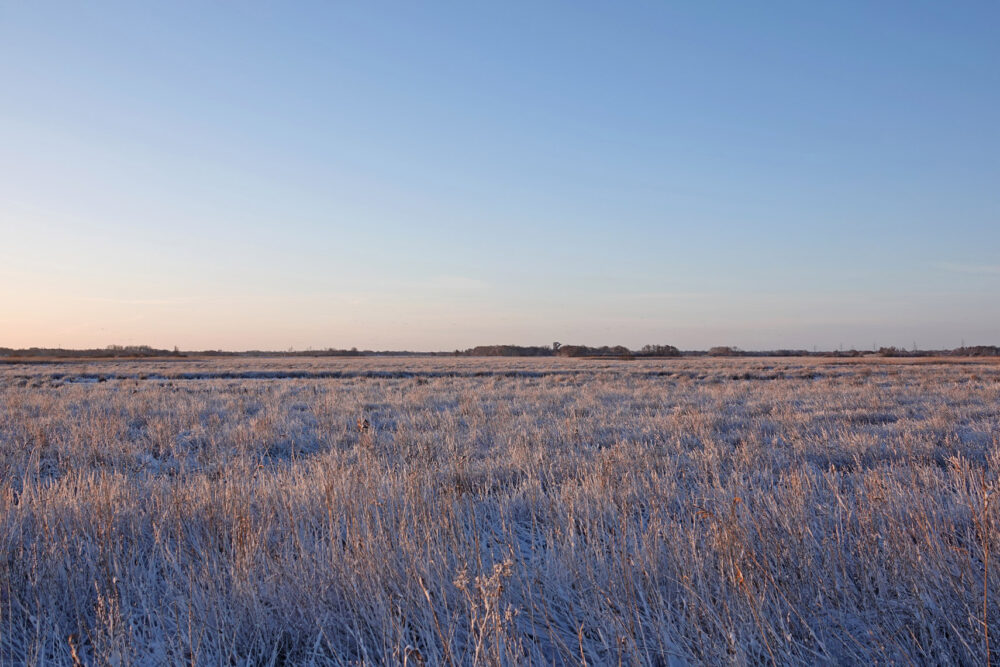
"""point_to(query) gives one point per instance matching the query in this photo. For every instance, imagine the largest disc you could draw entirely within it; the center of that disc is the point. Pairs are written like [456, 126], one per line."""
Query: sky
[434, 176]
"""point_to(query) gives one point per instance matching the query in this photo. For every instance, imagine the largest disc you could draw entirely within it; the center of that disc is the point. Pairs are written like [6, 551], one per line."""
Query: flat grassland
[499, 511]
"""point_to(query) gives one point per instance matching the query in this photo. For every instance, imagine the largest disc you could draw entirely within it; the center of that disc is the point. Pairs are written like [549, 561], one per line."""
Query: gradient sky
[272, 175]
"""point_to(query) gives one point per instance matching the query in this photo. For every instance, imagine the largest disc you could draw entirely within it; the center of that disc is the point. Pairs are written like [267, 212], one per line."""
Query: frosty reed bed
[499, 511]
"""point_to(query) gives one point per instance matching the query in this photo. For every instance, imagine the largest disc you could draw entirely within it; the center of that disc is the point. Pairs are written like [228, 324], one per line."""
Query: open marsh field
[499, 511]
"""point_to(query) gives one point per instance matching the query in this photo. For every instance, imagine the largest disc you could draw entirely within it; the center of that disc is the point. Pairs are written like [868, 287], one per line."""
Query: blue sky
[408, 175]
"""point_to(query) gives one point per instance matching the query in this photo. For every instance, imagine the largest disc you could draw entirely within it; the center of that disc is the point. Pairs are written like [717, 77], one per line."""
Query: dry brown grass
[499, 512]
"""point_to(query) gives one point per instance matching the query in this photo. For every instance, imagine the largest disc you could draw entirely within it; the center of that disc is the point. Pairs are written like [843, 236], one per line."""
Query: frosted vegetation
[499, 512]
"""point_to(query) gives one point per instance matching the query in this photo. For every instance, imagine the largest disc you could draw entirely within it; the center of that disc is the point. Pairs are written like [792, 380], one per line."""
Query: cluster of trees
[617, 352]
[893, 351]
[658, 351]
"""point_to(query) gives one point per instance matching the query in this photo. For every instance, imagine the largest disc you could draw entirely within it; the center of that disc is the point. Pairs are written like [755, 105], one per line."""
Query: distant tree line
[560, 350]
[662, 351]
[328, 352]
[109, 352]
[553, 350]
[617, 352]
[506, 351]
[971, 351]
[143, 351]
[978, 351]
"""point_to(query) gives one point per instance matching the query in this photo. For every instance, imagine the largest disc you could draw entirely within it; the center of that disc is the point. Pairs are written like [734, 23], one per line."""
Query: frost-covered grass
[499, 512]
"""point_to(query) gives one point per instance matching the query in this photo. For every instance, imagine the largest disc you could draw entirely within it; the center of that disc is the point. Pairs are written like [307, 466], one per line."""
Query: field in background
[499, 511]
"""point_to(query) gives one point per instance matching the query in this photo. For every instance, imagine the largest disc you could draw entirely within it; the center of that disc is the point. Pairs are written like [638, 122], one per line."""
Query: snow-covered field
[499, 511]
